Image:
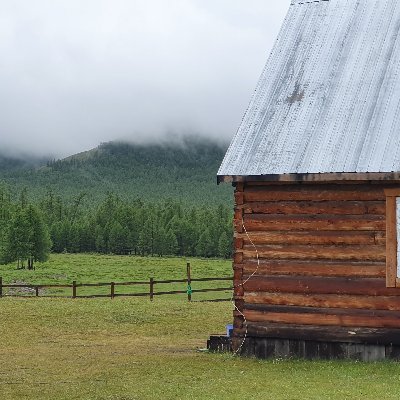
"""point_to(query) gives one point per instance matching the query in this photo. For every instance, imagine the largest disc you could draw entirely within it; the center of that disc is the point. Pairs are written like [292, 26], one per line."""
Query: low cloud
[74, 74]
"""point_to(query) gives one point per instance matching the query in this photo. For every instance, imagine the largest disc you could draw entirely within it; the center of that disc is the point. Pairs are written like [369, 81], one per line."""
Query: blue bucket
[229, 330]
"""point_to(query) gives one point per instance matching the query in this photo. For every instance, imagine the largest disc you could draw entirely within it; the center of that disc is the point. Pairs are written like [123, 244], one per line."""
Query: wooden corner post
[189, 282]
[151, 289]
[112, 290]
[391, 236]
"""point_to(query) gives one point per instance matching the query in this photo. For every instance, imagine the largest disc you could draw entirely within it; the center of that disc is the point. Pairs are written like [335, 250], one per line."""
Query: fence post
[151, 289]
[74, 289]
[37, 291]
[1, 286]
[112, 290]
[189, 282]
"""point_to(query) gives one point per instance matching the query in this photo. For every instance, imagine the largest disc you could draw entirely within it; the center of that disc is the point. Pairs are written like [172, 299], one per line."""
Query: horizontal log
[185, 280]
[101, 284]
[313, 207]
[314, 268]
[317, 252]
[226, 278]
[35, 286]
[369, 321]
[275, 309]
[225, 289]
[314, 193]
[322, 333]
[311, 237]
[391, 303]
[319, 285]
[374, 179]
[123, 283]
[278, 222]
[169, 292]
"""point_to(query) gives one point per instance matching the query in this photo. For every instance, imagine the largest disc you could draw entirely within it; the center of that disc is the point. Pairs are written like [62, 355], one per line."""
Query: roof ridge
[295, 2]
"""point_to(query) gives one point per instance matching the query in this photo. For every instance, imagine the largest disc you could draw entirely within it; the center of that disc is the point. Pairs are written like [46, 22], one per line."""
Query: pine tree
[172, 247]
[6, 209]
[224, 246]
[39, 240]
[118, 240]
[17, 243]
[204, 245]
[57, 237]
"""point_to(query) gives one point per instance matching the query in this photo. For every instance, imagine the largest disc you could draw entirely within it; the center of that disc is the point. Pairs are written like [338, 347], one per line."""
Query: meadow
[93, 268]
[130, 348]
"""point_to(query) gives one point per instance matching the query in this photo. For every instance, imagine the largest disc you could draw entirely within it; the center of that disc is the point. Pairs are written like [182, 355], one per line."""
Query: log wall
[322, 263]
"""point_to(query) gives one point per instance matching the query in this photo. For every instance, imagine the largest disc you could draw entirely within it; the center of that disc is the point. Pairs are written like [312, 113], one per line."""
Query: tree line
[30, 231]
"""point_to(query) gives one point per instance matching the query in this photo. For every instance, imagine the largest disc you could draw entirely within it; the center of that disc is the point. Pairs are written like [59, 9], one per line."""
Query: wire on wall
[238, 350]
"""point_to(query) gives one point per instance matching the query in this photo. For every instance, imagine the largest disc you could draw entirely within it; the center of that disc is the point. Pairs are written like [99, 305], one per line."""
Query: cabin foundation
[270, 348]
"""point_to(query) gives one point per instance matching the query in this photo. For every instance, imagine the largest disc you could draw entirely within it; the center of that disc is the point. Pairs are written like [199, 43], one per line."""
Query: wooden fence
[112, 293]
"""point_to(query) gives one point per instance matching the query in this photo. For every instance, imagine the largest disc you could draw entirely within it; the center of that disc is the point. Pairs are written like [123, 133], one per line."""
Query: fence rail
[151, 283]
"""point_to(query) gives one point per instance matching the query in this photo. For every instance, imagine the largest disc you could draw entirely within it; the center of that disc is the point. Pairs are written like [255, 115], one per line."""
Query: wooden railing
[151, 284]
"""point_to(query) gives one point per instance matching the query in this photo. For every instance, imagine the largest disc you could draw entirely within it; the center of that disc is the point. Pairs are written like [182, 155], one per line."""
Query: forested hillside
[184, 171]
[122, 199]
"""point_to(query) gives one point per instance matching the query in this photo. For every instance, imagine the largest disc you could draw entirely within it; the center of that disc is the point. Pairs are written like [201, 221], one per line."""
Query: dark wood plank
[324, 301]
[391, 234]
[351, 178]
[314, 193]
[311, 237]
[319, 285]
[323, 333]
[278, 222]
[314, 207]
[317, 252]
[392, 192]
[324, 319]
[314, 268]
[287, 309]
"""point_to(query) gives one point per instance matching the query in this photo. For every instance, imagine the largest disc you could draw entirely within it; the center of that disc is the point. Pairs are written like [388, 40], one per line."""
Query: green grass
[136, 349]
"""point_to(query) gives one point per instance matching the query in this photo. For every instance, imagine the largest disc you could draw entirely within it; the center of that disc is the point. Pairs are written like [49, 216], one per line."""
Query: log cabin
[316, 170]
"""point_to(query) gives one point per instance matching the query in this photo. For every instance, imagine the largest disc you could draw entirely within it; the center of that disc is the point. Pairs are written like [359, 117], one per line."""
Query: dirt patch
[21, 291]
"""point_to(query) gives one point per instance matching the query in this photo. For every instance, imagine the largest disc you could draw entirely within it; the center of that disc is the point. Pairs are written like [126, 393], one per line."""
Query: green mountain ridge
[184, 171]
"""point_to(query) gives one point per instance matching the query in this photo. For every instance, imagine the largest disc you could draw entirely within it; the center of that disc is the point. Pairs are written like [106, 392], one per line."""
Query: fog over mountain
[76, 73]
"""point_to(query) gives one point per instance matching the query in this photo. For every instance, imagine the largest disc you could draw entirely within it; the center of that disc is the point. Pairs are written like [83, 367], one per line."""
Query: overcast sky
[74, 73]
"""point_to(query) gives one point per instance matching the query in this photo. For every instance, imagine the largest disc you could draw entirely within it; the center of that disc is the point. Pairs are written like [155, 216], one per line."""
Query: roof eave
[312, 177]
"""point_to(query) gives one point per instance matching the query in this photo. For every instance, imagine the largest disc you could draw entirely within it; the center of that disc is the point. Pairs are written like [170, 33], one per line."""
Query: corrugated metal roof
[328, 99]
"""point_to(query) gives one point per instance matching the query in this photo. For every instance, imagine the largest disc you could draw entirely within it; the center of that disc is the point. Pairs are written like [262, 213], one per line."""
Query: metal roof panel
[328, 99]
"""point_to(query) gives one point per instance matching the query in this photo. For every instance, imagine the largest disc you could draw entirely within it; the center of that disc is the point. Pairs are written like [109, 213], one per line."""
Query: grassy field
[136, 349]
[92, 268]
